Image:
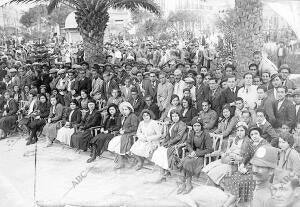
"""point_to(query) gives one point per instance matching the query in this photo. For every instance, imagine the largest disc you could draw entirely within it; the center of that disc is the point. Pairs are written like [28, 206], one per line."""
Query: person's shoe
[139, 166]
[94, 155]
[187, 190]
[181, 188]
[160, 180]
[49, 144]
[119, 166]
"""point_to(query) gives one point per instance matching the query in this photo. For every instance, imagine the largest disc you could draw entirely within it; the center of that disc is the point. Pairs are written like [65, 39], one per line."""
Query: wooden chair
[217, 145]
[182, 146]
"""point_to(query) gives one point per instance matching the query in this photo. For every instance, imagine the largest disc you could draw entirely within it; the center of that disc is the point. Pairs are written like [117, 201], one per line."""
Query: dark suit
[202, 92]
[107, 88]
[84, 84]
[149, 89]
[215, 100]
[154, 108]
[269, 133]
[189, 115]
[285, 115]
[138, 105]
[228, 96]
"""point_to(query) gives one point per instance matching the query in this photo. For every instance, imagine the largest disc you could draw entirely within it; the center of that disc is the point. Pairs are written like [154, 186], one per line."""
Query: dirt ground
[64, 177]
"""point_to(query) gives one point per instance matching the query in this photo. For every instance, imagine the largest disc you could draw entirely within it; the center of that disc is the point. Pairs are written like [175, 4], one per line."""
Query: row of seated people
[164, 146]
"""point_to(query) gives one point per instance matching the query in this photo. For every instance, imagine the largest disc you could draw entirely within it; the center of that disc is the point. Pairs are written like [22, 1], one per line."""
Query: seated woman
[188, 111]
[55, 116]
[255, 135]
[29, 114]
[25, 93]
[9, 116]
[149, 135]
[164, 157]
[198, 144]
[121, 144]
[174, 104]
[110, 128]
[59, 97]
[82, 137]
[238, 154]
[226, 125]
[71, 118]
[17, 93]
[289, 158]
[39, 118]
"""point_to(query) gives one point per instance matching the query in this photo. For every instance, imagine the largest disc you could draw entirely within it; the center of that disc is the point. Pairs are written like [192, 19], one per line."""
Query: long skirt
[101, 141]
[64, 135]
[81, 139]
[193, 165]
[217, 170]
[50, 130]
[239, 185]
[121, 144]
[8, 123]
[144, 148]
[160, 157]
[36, 125]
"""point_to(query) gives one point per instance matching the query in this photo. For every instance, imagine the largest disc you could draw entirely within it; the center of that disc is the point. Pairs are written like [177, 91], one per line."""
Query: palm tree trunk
[93, 49]
[249, 35]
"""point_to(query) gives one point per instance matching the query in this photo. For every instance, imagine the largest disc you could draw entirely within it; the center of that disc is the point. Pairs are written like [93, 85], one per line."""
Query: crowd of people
[167, 104]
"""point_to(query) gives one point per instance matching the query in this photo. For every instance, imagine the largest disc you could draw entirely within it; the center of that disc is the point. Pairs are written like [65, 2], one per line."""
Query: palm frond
[132, 5]
[26, 1]
[52, 5]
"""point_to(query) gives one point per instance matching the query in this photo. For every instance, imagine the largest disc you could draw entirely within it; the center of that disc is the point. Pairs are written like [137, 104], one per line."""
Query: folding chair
[217, 145]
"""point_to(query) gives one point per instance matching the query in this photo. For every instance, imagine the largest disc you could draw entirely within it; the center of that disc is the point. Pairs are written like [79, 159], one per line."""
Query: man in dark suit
[202, 91]
[84, 83]
[214, 95]
[108, 85]
[268, 132]
[150, 86]
[229, 94]
[284, 110]
[136, 101]
[150, 105]
[297, 102]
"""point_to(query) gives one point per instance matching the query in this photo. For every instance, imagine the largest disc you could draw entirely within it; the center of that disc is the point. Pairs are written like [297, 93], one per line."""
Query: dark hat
[192, 72]
[179, 64]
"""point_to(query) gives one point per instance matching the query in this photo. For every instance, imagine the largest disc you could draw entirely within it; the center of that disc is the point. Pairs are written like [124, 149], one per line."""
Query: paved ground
[57, 169]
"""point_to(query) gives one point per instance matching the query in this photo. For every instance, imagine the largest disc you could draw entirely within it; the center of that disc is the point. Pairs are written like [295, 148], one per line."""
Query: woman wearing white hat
[121, 144]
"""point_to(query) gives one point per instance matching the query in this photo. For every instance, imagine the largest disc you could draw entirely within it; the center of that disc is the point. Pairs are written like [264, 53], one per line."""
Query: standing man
[214, 95]
[249, 92]
[285, 72]
[284, 109]
[179, 84]
[263, 163]
[229, 95]
[264, 64]
[164, 92]
[281, 54]
[297, 102]
[151, 86]
[201, 91]
[97, 84]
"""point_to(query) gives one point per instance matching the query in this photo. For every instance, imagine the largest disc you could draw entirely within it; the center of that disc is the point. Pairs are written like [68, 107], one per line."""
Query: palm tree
[248, 31]
[92, 17]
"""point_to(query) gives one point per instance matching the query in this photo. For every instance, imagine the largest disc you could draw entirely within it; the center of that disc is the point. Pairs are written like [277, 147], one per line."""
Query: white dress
[160, 155]
[64, 134]
[152, 133]
[217, 170]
